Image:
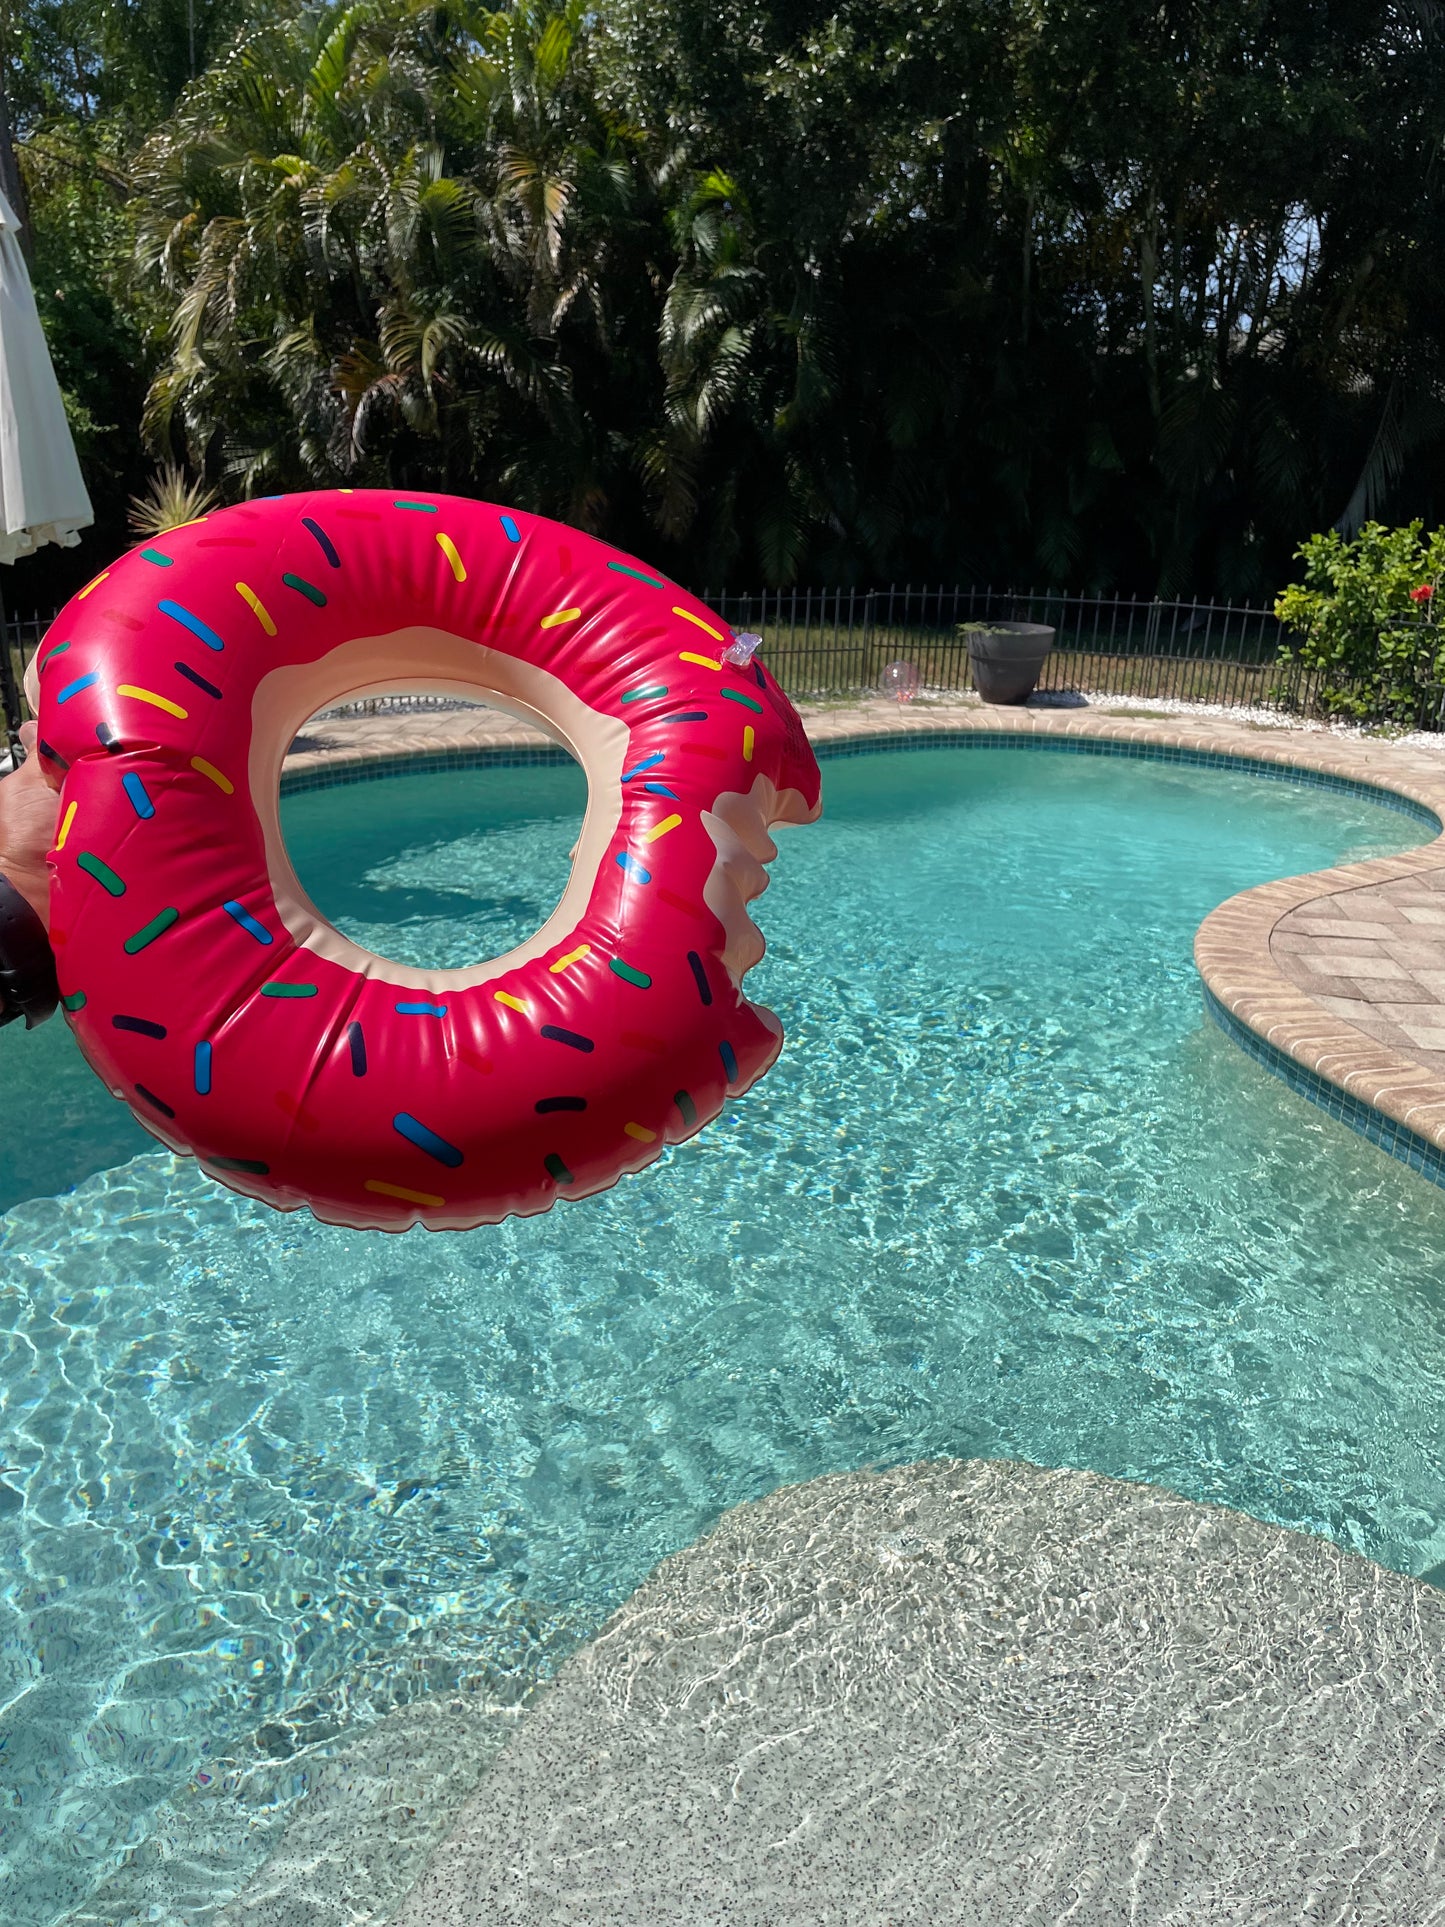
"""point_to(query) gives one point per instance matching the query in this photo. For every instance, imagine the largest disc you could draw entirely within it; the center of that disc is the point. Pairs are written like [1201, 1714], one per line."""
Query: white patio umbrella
[42, 495]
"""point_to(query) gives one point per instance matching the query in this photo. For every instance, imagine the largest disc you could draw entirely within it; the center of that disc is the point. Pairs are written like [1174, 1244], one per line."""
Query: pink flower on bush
[1423, 593]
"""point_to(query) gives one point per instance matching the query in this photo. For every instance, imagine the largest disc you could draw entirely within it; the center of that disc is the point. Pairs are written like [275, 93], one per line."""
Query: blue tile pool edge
[431, 762]
[1384, 1132]
[1297, 775]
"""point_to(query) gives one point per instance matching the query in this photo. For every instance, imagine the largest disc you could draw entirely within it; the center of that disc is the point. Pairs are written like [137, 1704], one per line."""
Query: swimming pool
[1008, 1193]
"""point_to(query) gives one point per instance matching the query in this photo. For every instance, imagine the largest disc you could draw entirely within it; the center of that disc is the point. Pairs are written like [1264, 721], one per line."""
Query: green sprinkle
[737, 696]
[157, 925]
[288, 990]
[628, 974]
[76, 1000]
[422, 508]
[637, 575]
[556, 1168]
[653, 689]
[308, 589]
[102, 872]
[59, 650]
[154, 555]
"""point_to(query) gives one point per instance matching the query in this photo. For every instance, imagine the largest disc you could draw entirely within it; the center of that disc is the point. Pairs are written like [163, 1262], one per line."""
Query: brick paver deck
[1341, 973]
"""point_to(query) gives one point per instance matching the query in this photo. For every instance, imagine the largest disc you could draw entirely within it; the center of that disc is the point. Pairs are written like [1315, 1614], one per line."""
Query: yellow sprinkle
[512, 1003]
[204, 768]
[449, 550]
[407, 1197]
[258, 607]
[562, 615]
[194, 523]
[150, 696]
[94, 583]
[688, 616]
[703, 662]
[573, 956]
[65, 826]
[641, 1133]
[748, 740]
[661, 829]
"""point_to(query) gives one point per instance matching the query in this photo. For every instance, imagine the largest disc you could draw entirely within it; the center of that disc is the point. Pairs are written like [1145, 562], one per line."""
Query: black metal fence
[825, 643]
[836, 642]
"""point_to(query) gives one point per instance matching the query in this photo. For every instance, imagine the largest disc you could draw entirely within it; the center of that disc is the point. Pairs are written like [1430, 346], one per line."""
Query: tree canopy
[1092, 293]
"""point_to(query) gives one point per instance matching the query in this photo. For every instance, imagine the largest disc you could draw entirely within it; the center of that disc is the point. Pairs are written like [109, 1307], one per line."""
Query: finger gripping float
[240, 1026]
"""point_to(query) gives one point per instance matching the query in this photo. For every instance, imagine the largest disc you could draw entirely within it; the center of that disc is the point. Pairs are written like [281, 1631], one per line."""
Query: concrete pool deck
[1336, 980]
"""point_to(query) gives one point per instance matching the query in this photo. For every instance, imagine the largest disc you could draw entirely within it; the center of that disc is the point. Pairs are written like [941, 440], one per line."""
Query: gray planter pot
[1007, 659]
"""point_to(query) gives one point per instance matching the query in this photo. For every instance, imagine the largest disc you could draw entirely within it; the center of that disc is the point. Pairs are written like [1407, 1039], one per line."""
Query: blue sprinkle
[415, 1132]
[203, 1070]
[195, 676]
[74, 688]
[729, 1061]
[248, 923]
[704, 988]
[327, 546]
[356, 1037]
[557, 1035]
[661, 789]
[513, 534]
[421, 1010]
[202, 631]
[135, 789]
[633, 868]
[648, 762]
[142, 1026]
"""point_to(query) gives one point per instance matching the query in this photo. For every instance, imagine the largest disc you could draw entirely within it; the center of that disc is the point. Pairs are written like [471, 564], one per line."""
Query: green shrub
[1366, 616]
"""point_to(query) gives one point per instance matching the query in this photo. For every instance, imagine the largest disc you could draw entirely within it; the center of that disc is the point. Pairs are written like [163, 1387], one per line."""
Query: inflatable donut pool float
[239, 1025]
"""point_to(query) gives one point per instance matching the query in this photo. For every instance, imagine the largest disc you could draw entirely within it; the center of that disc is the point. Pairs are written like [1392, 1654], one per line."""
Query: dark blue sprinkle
[660, 789]
[248, 923]
[648, 762]
[699, 976]
[356, 1037]
[142, 1026]
[685, 1104]
[556, 1035]
[421, 1010]
[685, 716]
[203, 1070]
[555, 1168]
[729, 1061]
[194, 675]
[545, 1104]
[74, 688]
[328, 547]
[758, 672]
[108, 739]
[252, 1166]
[52, 755]
[151, 1098]
[202, 631]
[140, 802]
[415, 1132]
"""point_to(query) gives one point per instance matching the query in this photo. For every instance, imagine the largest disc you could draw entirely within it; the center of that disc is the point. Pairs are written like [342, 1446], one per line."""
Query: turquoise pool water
[1007, 1193]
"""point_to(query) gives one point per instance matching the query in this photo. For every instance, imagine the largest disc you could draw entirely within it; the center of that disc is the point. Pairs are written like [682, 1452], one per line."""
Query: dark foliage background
[1087, 292]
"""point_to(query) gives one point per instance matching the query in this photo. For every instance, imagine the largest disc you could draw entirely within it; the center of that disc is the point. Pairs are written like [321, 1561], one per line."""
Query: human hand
[27, 828]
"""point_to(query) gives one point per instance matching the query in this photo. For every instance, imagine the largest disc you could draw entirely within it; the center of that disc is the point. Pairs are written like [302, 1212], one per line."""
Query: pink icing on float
[212, 996]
